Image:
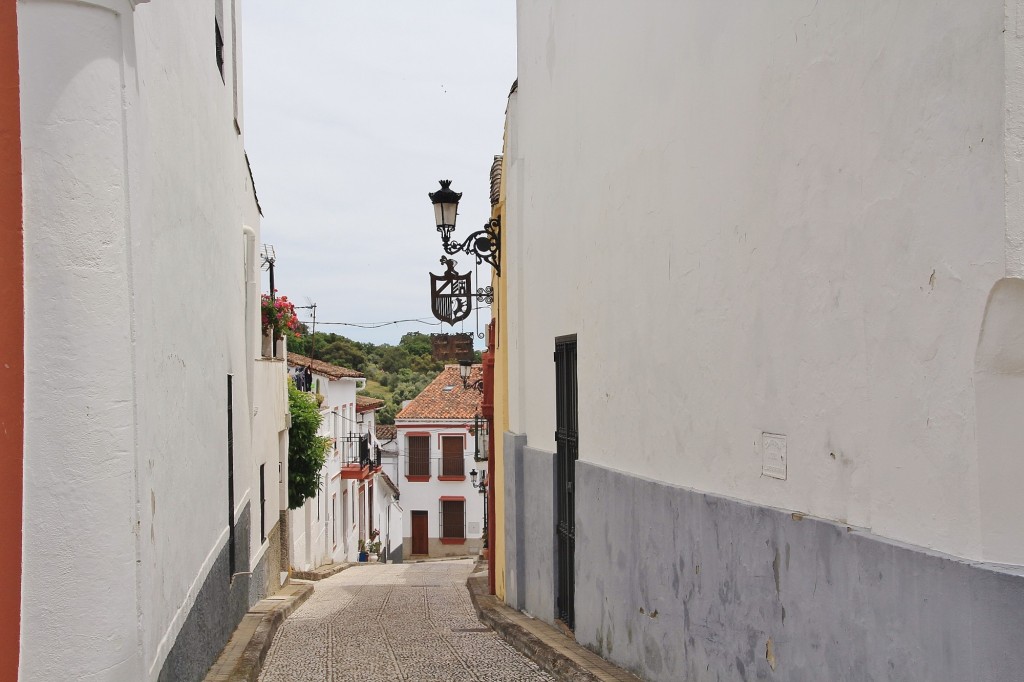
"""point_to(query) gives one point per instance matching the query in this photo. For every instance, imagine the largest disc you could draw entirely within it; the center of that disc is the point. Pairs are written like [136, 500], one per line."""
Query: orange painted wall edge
[12, 365]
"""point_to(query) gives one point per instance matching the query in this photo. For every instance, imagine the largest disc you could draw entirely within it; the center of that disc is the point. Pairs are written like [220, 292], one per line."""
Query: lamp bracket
[484, 245]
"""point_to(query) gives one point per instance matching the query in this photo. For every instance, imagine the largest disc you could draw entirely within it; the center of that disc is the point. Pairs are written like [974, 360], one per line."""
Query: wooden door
[419, 532]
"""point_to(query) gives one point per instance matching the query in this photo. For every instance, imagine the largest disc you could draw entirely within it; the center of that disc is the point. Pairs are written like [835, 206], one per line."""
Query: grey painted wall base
[530, 550]
[219, 608]
[675, 584]
[395, 555]
[266, 575]
[514, 538]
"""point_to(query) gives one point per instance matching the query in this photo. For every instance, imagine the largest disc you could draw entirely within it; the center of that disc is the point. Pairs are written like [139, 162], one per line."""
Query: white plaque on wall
[773, 452]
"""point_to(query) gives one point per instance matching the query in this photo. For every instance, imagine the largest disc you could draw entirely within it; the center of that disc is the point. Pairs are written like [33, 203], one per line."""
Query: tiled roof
[445, 398]
[390, 483]
[321, 367]
[496, 180]
[365, 403]
[386, 432]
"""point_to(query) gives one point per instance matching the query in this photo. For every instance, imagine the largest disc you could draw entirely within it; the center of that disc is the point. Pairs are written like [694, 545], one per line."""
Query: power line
[376, 325]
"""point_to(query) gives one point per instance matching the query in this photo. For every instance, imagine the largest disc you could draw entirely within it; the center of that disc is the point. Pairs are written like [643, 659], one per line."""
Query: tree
[307, 452]
[394, 358]
[416, 343]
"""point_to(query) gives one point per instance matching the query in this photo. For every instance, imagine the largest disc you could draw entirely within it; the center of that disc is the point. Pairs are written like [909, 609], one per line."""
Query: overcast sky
[353, 112]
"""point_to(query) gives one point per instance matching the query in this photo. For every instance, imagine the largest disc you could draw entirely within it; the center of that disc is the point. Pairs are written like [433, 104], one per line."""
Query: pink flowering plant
[279, 313]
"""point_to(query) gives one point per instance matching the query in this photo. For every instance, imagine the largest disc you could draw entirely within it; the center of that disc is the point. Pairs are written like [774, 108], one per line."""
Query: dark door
[362, 512]
[566, 455]
[419, 532]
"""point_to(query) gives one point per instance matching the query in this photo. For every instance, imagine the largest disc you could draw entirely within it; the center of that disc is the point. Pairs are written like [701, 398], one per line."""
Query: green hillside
[393, 373]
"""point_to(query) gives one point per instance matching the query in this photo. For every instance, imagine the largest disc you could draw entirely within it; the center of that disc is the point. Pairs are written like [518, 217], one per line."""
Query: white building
[353, 500]
[142, 546]
[437, 434]
[387, 441]
[778, 251]
[320, 531]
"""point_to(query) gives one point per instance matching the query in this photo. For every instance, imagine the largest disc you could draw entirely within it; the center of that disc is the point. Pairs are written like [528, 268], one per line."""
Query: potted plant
[278, 319]
[363, 554]
[373, 547]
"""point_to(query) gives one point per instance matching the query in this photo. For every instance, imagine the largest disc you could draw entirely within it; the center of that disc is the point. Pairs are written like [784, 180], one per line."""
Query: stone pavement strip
[241, 659]
[556, 652]
[411, 622]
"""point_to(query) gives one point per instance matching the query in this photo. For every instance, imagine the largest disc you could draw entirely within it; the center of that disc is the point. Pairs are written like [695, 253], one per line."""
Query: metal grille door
[566, 405]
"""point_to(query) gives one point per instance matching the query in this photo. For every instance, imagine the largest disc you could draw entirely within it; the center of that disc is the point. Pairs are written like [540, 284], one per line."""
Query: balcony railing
[364, 454]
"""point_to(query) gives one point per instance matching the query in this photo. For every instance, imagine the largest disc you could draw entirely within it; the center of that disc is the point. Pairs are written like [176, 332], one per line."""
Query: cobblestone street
[393, 622]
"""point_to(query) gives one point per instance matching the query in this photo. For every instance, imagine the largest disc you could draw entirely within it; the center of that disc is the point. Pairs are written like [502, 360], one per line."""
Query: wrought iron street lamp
[482, 489]
[484, 245]
[465, 369]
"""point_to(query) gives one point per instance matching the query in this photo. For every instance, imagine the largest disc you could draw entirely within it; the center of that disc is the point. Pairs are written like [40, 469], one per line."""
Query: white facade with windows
[437, 482]
[352, 501]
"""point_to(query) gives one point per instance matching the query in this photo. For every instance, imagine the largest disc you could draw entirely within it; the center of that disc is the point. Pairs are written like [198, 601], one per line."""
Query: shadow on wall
[999, 403]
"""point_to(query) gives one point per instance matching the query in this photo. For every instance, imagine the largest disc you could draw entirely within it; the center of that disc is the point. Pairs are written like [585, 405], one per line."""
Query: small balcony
[360, 461]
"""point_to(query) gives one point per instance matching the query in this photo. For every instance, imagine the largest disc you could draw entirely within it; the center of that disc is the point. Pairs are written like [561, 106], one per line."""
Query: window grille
[452, 456]
[419, 456]
[453, 519]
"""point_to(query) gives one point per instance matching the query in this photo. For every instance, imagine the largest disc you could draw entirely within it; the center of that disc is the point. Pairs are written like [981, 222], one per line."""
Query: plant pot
[363, 557]
[374, 558]
[267, 346]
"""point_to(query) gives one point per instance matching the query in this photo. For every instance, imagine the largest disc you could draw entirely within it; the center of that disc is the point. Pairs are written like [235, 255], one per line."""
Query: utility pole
[269, 257]
[312, 338]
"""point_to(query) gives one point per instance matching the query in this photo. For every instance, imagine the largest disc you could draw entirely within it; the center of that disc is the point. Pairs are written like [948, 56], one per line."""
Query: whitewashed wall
[779, 217]
[270, 449]
[136, 199]
[314, 540]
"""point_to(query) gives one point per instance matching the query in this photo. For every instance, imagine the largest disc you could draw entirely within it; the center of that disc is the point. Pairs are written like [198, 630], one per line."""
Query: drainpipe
[252, 297]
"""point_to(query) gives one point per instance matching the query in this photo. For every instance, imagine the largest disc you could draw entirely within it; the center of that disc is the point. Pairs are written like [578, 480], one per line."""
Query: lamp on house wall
[484, 245]
[465, 369]
[479, 439]
[482, 489]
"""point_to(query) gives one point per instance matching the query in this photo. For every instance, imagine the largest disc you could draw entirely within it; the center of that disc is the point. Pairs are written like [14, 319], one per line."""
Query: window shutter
[419, 455]
[453, 519]
[453, 461]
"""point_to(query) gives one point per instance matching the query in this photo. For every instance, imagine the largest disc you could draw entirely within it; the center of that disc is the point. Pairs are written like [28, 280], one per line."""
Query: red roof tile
[321, 367]
[391, 484]
[386, 432]
[365, 403]
[445, 398]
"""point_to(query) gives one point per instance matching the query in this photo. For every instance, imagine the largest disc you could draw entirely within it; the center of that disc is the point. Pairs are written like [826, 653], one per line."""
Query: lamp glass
[465, 367]
[445, 213]
[472, 477]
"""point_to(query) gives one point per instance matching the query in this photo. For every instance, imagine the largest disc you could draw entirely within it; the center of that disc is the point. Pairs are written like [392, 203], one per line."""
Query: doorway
[566, 439]
[419, 533]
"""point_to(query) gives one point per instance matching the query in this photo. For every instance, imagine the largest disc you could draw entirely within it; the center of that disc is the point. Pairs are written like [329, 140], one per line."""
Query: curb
[322, 572]
[272, 611]
[491, 613]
